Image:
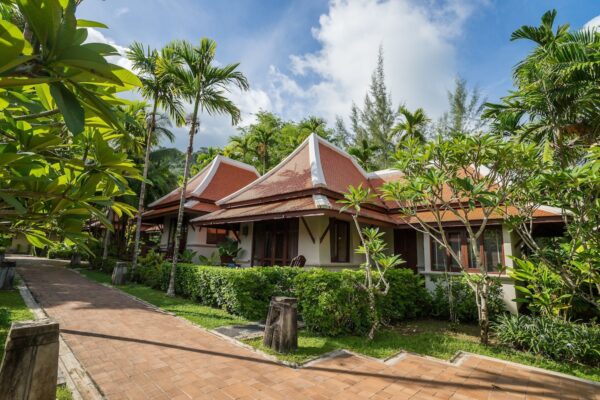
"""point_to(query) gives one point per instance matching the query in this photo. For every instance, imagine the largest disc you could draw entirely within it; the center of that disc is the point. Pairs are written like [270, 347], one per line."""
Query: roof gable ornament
[316, 169]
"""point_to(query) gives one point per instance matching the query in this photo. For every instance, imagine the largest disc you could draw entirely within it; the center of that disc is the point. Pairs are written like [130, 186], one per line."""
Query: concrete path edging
[79, 382]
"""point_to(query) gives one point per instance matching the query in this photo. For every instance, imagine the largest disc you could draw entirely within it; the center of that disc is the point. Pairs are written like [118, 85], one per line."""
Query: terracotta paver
[133, 352]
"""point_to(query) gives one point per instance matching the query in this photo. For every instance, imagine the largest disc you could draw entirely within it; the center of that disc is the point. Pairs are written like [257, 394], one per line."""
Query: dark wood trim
[300, 193]
[308, 229]
[236, 235]
[325, 232]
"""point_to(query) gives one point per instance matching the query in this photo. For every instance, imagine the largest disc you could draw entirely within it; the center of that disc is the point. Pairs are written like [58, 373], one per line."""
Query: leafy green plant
[214, 259]
[150, 270]
[59, 113]
[463, 300]
[333, 303]
[229, 248]
[551, 338]
[373, 247]
[541, 288]
[187, 256]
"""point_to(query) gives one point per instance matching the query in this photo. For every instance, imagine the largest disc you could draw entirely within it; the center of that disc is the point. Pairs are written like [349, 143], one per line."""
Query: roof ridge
[316, 168]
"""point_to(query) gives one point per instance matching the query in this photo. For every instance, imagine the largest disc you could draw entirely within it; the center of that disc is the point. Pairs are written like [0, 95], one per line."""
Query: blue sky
[311, 57]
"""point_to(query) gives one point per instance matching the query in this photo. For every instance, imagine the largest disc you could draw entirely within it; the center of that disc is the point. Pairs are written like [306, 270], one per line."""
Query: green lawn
[204, 316]
[431, 338]
[12, 309]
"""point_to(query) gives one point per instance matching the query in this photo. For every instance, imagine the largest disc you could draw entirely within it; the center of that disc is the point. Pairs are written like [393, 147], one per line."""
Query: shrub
[245, 292]
[333, 303]
[150, 270]
[60, 251]
[550, 337]
[464, 299]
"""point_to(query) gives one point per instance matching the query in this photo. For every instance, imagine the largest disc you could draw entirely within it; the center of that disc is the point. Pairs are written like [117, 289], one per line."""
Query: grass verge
[12, 309]
[430, 338]
[207, 317]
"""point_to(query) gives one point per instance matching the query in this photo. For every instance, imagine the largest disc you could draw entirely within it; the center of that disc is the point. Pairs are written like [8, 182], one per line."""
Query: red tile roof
[320, 169]
[220, 178]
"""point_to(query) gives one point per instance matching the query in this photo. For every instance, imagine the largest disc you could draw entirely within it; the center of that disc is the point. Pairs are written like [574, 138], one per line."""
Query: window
[275, 242]
[489, 249]
[340, 240]
[215, 235]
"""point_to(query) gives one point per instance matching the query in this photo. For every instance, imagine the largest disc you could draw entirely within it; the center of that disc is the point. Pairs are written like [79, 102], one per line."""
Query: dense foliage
[551, 337]
[59, 121]
[333, 303]
[463, 298]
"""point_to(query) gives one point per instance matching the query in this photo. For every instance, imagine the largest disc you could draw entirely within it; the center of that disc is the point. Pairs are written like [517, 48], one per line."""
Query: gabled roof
[218, 179]
[314, 164]
[310, 181]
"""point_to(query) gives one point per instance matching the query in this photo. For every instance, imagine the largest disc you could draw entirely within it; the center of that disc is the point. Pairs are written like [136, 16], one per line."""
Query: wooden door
[405, 245]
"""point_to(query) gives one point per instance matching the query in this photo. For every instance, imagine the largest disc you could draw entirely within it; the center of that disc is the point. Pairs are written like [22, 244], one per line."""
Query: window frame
[213, 238]
[334, 225]
[465, 252]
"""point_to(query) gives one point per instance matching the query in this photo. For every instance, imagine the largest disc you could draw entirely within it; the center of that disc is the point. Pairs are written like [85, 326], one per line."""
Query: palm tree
[241, 146]
[363, 152]
[205, 85]
[412, 124]
[263, 137]
[557, 90]
[158, 88]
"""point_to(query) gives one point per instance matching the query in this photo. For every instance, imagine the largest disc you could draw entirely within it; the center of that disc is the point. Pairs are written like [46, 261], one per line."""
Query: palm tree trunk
[138, 227]
[186, 173]
[106, 240]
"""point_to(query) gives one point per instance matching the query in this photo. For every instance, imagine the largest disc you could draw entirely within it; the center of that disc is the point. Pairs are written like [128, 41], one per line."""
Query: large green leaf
[69, 107]
[86, 23]
[44, 18]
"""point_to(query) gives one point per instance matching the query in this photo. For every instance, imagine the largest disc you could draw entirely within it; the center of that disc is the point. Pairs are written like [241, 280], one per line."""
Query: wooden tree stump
[30, 364]
[7, 274]
[119, 275]
[281, 328]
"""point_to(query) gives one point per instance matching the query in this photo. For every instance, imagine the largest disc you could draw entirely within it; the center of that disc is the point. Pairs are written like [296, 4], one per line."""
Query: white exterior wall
[508, 287]
[245, 256]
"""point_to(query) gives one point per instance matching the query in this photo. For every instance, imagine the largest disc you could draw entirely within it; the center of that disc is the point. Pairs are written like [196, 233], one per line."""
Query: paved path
[133, 352]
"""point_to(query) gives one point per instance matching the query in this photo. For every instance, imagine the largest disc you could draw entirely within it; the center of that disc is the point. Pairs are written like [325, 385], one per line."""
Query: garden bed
[12, 309]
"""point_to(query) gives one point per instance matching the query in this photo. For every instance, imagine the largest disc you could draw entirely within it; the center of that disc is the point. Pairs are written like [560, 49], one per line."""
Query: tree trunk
[484, 319]
[138, 227]
[186, 173]
[106, 240]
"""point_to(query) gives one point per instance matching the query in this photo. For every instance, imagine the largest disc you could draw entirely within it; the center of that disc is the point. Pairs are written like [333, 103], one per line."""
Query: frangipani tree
[374, 248]
[55, 88]
[461, 177]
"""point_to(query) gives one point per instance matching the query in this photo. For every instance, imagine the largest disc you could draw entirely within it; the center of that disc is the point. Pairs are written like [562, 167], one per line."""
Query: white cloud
[121, 11]
[95, 36]
[594, 23]
[419, 55]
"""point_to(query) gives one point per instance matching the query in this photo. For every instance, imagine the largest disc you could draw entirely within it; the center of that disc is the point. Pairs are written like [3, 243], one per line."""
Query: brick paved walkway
[133, 352]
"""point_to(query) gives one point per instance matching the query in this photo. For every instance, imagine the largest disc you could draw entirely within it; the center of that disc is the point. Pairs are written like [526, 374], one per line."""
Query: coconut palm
[241, 146]
[412, 124]
[204, 85]
[160, 89]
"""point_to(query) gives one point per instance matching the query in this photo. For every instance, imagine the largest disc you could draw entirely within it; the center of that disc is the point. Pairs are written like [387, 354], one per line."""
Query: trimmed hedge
[333, 303]
[245, 292]
[330, 303]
